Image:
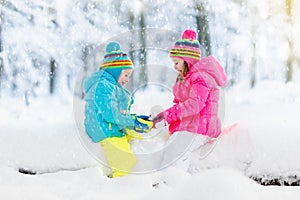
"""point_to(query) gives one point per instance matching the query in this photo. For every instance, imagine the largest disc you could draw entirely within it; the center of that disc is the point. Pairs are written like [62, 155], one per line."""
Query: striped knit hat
[187, 48]
[115, 60]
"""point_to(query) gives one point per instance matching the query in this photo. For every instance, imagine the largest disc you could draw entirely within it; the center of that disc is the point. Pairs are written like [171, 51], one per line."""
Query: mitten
[145, 117]
[157, 119]
[142, 124]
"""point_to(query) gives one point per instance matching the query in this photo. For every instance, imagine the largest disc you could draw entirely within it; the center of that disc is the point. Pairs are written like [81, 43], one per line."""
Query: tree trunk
[131, 83]
[253, 66]
[143, 79]
[138, 56]
[291, 58]
[290, 61]
[52, 75]
[203, 27]
[1, 49]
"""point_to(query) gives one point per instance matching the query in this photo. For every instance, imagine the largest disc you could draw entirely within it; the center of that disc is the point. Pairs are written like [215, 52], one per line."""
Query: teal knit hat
[115, 60]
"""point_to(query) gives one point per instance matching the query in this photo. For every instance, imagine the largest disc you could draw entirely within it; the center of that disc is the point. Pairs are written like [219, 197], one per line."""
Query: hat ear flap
[115, 72]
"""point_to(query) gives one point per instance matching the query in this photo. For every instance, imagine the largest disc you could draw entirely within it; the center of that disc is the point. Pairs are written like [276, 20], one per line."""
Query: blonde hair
[181, 76]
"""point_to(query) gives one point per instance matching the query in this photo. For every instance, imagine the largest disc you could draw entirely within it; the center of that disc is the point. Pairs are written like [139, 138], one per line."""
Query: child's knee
[119, 156]
[131, 160]
[124, 168]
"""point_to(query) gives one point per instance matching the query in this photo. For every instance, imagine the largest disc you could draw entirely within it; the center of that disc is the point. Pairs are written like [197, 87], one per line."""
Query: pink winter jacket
[196, 99]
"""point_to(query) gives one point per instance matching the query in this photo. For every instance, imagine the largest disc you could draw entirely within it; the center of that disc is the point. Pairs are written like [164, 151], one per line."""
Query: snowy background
[39, 127]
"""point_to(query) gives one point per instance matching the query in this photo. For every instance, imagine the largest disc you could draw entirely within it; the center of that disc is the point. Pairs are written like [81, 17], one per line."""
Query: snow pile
[44, 138]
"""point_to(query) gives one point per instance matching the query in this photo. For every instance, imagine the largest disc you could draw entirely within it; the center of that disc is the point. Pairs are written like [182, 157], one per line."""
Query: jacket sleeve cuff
[172, 114]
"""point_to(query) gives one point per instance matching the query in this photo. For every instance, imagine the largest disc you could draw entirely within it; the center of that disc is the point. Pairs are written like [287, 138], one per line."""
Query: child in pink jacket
[196, 92]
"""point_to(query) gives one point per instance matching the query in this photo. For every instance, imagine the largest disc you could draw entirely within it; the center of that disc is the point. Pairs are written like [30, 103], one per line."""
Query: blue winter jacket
[107, 107]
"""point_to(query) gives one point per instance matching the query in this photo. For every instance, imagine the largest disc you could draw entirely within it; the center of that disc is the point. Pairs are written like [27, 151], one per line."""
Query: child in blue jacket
[107, 110]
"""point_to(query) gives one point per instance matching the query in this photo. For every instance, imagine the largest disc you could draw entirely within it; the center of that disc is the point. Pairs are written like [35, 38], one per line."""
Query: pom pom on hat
[189, 34]
[115, 60]
[113, 46]
[187, 48]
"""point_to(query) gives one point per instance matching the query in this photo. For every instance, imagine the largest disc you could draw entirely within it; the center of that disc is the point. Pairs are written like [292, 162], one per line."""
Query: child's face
[124, 76]
[178, 64]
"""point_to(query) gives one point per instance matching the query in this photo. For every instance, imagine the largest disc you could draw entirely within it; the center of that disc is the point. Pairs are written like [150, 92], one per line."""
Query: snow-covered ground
[45, 138]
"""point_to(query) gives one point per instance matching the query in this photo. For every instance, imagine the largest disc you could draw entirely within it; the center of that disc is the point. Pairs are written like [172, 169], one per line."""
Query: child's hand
[157, 119]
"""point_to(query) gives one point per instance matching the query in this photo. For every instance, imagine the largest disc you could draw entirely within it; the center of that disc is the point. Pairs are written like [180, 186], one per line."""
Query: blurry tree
[291, 57]
[27, 26]
[202, 22]
[138, 53]
[254, 26]
[226, 32]
[143, 53]
[1, 47]
[45, 42]
[131, 26]
[52, 75]
[253, 66]
[250, 15]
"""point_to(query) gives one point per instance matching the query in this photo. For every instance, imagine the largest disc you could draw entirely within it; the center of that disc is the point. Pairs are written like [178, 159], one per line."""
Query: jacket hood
[95, 77]
[91, 80]
[211, 66]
